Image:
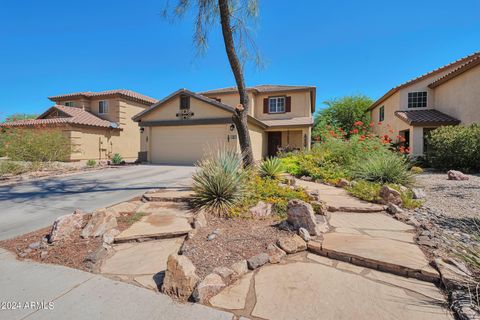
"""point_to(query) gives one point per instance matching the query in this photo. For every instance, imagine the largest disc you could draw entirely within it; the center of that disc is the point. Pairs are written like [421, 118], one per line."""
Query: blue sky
[51, 47]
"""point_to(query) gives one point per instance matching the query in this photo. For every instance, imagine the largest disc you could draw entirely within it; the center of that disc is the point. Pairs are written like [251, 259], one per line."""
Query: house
[449, 95]
[98, 124]
[185, 125]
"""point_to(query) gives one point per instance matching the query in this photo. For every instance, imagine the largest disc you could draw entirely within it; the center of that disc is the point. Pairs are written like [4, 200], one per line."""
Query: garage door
[185, 144]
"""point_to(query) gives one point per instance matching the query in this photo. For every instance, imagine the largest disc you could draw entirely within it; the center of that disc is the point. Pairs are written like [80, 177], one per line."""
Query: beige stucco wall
[233, 99]
[96, 144]
[259, 139]
[460, 97]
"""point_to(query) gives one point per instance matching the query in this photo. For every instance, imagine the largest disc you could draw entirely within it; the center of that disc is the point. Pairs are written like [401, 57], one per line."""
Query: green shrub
[271, 168]
[117, 159]
[454, 147]
[10, 167]
[291, 163]
[219, 182]
[91, 163]
[36, 145]
[416, 170]
[366, 190]
[389, 167]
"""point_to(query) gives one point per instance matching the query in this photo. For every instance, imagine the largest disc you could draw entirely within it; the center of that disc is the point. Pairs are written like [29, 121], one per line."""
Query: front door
[274, 142]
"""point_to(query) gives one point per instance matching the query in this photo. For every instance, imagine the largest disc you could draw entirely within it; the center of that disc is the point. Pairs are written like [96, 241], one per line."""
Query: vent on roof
[113, 125]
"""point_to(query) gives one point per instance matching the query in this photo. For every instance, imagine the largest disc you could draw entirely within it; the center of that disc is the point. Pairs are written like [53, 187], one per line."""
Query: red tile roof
[456, 63]
[452, 74]
[128, 94]
[426, 118]
[68, 115]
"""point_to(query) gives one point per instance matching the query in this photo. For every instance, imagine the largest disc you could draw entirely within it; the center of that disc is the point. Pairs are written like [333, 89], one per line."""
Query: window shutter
[288, 104]
[265, 105]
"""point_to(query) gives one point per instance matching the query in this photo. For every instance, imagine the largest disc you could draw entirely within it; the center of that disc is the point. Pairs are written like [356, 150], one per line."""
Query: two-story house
[185, 125]
[98, 124]
[449, 95]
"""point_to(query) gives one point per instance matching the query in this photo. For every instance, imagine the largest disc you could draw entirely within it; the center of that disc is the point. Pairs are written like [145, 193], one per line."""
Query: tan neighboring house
[449, 95]
[99, 124]
[185, 125]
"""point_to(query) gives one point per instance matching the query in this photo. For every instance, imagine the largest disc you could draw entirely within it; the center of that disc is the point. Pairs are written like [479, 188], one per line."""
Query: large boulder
[101, 221]
[180, 277]
[301, 215]
[390, 195]
[456, 175]
[208, 287]
[64, 226]
[261, 210]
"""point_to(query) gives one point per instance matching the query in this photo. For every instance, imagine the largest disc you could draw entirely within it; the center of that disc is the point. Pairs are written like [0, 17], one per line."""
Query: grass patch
[366, 190]
[135, 217]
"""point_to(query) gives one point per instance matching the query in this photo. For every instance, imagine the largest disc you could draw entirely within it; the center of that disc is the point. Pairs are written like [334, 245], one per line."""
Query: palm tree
[238, 46]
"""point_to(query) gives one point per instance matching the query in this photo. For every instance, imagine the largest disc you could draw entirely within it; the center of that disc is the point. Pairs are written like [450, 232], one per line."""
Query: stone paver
[373, 221]
[310, 291]
[162, 220]
[175, 195]
[338, 199]
[233, 297]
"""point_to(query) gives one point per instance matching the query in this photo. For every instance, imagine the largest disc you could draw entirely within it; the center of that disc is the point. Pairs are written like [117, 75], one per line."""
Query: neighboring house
[98, 124]
[449, 95]
[185, 125]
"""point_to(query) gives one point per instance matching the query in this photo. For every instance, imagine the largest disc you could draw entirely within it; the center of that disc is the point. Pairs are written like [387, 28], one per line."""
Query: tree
[342, 113]
[21, 116]
[234, 16]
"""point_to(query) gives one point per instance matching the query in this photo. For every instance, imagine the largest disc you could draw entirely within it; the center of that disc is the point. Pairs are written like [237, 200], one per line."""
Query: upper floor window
[417, 99]
[70, 104]
[276, 104]
[103, 107]
[381, 114]
[184, 102]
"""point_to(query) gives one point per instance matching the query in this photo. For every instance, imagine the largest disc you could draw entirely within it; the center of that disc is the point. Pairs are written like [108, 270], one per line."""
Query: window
[103, 107]
[417, 99]
[70, 104]
[276, 105]
[184, 102]
[381, 114]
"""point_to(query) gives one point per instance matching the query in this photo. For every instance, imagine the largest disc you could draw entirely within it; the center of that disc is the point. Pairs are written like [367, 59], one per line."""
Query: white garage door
[185, 144]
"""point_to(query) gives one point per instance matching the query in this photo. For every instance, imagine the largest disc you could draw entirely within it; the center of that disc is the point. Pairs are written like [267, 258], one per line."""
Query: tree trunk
[240, 116]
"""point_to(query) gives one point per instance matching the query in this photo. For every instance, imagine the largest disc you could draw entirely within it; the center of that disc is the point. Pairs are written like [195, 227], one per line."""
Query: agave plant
[388, 167]
[271, 168]
[219, 181]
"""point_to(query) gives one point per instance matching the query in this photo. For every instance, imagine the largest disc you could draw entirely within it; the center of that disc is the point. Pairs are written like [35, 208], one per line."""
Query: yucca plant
[271, 168]
[386, 167]
[219, 181]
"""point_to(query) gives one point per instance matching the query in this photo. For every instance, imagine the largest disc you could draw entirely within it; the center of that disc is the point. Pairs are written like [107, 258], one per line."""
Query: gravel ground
[455, 199]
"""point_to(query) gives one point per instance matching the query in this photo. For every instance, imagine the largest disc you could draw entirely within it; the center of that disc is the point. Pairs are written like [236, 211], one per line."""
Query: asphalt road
[31, 205]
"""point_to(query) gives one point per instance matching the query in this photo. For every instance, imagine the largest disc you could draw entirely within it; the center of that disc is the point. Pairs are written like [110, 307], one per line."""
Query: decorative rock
[314, 195]
[240, 267]
[394, 209]
[101, 221]
[300, 215]
[261, 210]
[34, 245]
[291, 181]
[456, 175]
[109, 236]
[301, 245]
[257, 261]
[227, 274]
[291, 244]
[211, 236]
[275, 254]
[319, 207]
[200, 221]
[305, 178]
[180, 278]
[390, 195]
[43, 255]
[418, 193]
[452, 276]
[412, 222]
[303, 233]
[65, 225]
[284, 225]
[342, 183]
[208, 287]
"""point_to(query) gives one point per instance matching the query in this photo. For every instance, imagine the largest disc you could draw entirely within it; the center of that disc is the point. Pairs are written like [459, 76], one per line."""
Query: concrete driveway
[31, 205]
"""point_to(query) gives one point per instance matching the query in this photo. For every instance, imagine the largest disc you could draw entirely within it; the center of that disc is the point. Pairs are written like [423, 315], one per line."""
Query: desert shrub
[36, 145]
[271, 168]
[219, 182]
[416, 170]
[117, 159]
[11, 167]
[366, 190]
[388, 167]
[91, 163]
[270, 191]
[454, 147]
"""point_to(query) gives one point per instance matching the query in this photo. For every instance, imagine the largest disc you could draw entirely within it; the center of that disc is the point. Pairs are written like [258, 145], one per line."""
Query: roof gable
[124, 93]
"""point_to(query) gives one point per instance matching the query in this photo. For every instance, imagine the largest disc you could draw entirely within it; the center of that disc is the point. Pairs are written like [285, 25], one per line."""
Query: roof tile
[426, 117]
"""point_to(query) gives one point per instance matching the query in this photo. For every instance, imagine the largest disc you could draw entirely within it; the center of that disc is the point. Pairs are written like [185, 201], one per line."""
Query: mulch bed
[238, 239]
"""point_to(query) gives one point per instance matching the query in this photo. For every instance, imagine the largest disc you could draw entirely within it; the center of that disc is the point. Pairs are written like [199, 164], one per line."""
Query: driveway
[35, 204]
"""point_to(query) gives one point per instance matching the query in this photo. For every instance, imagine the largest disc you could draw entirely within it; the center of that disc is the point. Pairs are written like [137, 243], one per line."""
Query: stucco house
[180, 128]
[449, 95]
[99, 124]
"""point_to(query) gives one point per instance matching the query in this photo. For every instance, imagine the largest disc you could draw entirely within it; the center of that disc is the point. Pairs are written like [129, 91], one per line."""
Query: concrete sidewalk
[80, 295]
